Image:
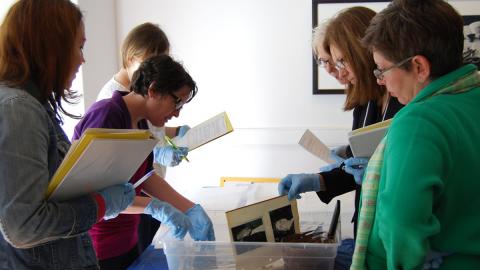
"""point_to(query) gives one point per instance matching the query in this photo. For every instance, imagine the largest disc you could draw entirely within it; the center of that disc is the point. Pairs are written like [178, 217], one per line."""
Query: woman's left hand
[202, 227]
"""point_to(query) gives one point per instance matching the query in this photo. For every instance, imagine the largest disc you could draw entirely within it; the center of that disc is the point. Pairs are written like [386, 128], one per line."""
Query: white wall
[101, 49]
[250, 58]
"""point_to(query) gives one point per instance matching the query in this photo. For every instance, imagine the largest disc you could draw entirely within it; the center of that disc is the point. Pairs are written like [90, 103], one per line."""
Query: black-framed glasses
[379, 73]
[177, 100]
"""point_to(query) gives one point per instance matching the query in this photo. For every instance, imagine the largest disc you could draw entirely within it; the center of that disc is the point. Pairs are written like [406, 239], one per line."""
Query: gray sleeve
[26, 218]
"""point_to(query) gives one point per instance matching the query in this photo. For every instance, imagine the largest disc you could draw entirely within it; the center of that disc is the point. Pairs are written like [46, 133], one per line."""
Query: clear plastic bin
[222, 254]
[249, 255]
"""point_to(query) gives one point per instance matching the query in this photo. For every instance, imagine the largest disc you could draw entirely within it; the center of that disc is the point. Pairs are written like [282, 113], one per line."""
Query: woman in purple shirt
[159, 87]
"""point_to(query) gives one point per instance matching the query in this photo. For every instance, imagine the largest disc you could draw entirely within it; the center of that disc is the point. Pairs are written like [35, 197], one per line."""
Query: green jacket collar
[443, 81]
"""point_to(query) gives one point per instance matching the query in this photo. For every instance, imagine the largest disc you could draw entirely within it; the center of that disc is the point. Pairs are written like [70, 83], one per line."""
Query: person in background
[159, 87]
[142, 42]
[422, 179]
[369, 101]
[323, 57]
[41, 46]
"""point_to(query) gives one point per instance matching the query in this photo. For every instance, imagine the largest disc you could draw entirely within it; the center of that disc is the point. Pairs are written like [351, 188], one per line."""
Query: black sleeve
[337, 182]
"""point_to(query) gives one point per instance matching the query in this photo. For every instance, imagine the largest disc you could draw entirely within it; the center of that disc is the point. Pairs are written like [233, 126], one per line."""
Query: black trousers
[146, 231]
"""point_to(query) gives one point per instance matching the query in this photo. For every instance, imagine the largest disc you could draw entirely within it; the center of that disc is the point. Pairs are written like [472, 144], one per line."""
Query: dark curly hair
[167, 75]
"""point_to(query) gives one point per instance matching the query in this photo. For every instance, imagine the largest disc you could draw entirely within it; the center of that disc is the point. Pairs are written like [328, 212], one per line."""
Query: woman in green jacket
[420, 191]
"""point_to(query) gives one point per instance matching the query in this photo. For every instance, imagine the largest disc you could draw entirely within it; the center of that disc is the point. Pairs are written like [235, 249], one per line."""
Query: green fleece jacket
[429, 190]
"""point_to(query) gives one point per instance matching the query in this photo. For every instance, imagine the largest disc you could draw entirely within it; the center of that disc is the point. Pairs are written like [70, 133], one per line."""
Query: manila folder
[97, 162]
[364, 141]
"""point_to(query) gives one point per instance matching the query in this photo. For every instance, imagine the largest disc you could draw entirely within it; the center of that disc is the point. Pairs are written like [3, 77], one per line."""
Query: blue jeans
[344, 254]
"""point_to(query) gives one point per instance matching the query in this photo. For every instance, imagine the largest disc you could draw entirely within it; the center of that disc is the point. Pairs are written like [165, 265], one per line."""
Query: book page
[209, 130]
[316, 147]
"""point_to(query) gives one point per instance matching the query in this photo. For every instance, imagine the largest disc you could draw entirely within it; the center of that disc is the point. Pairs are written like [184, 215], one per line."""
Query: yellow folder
[100, 158]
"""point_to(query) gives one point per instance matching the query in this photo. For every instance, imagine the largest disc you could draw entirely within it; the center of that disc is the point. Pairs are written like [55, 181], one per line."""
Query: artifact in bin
[318, 235]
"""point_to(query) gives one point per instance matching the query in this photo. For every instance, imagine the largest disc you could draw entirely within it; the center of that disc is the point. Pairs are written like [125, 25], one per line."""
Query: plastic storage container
[249, 255]
[222, 254]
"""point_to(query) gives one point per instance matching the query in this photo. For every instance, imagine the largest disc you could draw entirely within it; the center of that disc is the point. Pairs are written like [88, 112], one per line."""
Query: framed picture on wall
[471, 43]
[322, 10]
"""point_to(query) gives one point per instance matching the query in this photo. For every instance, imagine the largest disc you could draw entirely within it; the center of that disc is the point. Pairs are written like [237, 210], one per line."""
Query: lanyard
[368, 109]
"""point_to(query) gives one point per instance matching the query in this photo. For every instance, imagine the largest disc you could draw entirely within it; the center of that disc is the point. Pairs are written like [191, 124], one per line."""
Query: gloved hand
[294, 184]
[182, 130]
[356, 167]
[170, 216]
[434, 259]
[202, 227]
[117, 198]
[336, 154]
[168, 155]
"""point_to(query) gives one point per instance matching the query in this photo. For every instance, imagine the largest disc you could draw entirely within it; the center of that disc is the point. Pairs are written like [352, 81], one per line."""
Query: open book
[205, 132]
[364, 141]
[100, 158]
[265, 221]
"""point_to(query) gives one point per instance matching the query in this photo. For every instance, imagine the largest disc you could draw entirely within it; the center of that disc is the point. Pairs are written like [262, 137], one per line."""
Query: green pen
[172, 144]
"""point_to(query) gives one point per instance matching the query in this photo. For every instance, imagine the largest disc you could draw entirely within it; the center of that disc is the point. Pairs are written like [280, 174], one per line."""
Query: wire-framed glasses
[379, 73]
[340, 64]
[322, 62]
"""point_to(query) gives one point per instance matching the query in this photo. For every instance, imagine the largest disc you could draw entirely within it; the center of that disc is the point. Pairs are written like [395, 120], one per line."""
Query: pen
[145, 177]
[172, 144]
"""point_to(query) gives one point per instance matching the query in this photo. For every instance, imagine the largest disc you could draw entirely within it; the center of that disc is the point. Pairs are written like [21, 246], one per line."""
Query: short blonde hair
[143, 41]
[318, 36]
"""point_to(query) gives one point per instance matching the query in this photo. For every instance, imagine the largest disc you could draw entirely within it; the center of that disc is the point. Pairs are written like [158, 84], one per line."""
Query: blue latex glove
[170, 216]
[202, 227]
[182, 130]
[356, 167]
[117, 198]
[335, 155]
[168, 155]
[294, 184]
[434, 259]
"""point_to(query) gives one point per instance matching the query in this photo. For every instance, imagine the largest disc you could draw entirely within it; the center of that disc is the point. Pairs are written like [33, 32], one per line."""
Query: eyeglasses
[322, 62]
[379, 73]
[178, 101]
[340, 64]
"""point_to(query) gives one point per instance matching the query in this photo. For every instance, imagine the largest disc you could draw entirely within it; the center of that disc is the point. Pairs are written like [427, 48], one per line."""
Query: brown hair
[345, 31]
[37, 39]
[431, 28]
[143, 41]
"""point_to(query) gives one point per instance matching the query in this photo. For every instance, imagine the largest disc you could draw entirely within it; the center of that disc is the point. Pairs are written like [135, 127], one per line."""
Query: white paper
[316, 147]
[204, 132]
